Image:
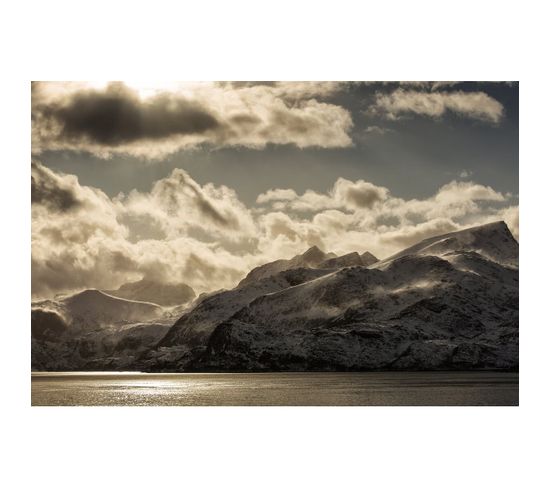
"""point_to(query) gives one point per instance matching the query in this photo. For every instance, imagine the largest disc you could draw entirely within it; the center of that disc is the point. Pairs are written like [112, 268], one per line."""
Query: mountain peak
[313, 253]
[494, 241]
[368, 258]
[312, 249]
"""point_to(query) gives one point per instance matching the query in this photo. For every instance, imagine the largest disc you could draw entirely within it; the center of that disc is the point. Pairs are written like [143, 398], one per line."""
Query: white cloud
[359, 194]
[411, 234]
[345, 194]
[203, 235]
[376, 129]
[276, 195]
[178, 204]
[474, 105]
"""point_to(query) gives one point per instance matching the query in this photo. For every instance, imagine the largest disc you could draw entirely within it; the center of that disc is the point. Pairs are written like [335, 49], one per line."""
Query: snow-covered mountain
[309, 259]
[493, 241]
[93, 330]
[312, 258]
[449, 302]
[90, 309]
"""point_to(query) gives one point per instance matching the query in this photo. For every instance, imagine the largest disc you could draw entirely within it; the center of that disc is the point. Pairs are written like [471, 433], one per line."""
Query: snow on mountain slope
[493, 241]
[164, 294]
[448, 302]
[421, 313]
[310, 259]
[199, 322]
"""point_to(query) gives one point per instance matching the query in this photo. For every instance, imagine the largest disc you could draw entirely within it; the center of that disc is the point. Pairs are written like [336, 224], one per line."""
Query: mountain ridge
[447, 302]
[395, 300]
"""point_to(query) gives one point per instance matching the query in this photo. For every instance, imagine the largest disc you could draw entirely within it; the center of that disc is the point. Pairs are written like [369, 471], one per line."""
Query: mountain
[493, 241]
[448, 302]
[351, 259]
[93, 330]
[368, 258]
[309, 259]
[312, 258]
[191, 332]
[100, 349]
[164, 294]
[47, 325]
[94, 308]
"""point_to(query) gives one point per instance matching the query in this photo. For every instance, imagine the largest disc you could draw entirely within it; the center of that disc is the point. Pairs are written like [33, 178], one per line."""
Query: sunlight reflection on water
[377, 388]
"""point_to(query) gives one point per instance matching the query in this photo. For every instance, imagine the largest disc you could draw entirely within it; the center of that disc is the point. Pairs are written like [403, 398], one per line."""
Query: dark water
[200, 389]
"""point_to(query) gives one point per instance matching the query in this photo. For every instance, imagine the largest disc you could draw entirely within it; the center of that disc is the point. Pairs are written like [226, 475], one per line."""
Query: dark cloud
[48, 190]
[157, 122]
[117, 115]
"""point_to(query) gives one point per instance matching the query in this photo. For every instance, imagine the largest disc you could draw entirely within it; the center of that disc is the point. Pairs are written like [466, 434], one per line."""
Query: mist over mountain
[447, 302]
[164, 294]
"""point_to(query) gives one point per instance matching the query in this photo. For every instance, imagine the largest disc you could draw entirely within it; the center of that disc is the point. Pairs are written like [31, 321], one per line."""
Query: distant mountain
[94, 308]
[165, 294]
[92, 330]
[309, 259]
[449, 302]
[351, 259]
[368, 258]
[312, 258]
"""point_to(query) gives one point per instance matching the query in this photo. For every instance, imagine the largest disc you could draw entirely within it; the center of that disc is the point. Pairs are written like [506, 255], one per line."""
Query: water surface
[202, 389]
[199, 389]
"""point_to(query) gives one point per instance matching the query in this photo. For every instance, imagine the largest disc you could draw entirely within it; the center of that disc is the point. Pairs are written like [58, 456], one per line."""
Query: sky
[198, 182]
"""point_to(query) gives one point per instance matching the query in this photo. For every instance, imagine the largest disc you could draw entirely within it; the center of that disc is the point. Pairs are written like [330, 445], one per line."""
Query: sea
[471, 388]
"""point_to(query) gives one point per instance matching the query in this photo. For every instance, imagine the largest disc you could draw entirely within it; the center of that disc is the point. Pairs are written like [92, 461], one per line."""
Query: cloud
[408, 235]
[203, 235]
[462, 191]
[345, 194]
[358, 194]
[178, 205]
[103, 242]
[117, 116]
[474, 105]
[276, 195]
[510, 215]
[153, 122]
[51, 190]
[375, 129]
[360, 216]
